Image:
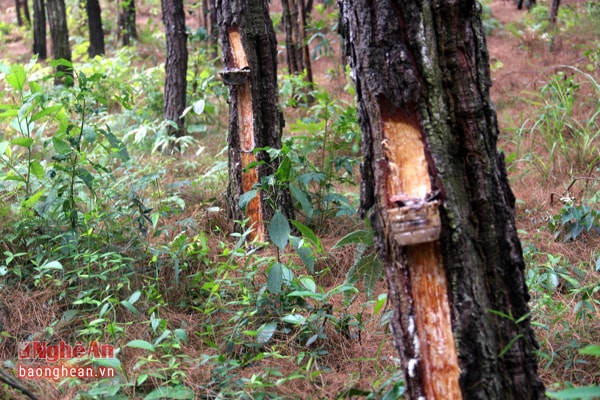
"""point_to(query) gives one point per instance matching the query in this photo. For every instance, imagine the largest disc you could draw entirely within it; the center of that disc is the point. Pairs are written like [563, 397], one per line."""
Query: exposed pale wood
[254, 208]
[246, 138]
[237, 49]
[432, 318]
[408, 177]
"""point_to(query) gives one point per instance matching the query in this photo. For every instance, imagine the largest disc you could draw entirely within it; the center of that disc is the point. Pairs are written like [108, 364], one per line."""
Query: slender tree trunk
[255, 121]
[39, 29]
[214, 27]
[94, 15]
[307, 65]
[57, 19]
[127, 26]
[554, 11]
[22, 10]
[176, 65]
[291, 45]
[438, 196]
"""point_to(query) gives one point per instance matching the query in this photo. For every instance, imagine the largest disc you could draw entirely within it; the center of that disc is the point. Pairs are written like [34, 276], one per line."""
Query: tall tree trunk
[554, 11]
[304, 15]
[127, 26]
[57, 19]
[255, 121]
[176, 65]
[22, 10]
[94, 15]
[293, 46]
[438, 196]
[39, 29]
[213, 27]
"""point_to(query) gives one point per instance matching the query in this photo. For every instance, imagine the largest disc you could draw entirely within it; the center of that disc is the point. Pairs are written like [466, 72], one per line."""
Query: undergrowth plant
[571, 146]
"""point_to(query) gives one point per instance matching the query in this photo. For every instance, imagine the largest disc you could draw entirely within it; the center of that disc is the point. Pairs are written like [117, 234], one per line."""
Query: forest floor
[521, 64]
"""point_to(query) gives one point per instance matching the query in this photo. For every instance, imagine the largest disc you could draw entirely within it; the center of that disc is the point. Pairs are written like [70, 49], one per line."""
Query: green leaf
[381, 300]
[309, 283]
[303, 199]
[279, 230]
[135, 297]
[247, 197]
[116, 144]
[4, 146]
[179, 392]
[371, 269]
[265, 332]
[37, 169]
[44, 112]
[305, 253]
[89, 134]
[107, 362]
[22, 141]
[60, 146]
[140, 344]
[86, 177]
[33, 199]
[53, 265]
[180, 334]
[17, 77]
[585, 392]
[294, 319]
[129, 306]
[199, 106]
[360, 236]
[283, 171]
[591, 350]
[275, 278]
[309, 234]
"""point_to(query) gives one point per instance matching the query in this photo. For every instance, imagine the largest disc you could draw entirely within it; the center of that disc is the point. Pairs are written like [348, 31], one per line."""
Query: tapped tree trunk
[92, 8]
[39, 29]
[61, 50]
[255, 121]
[176, 65]
[437, 193]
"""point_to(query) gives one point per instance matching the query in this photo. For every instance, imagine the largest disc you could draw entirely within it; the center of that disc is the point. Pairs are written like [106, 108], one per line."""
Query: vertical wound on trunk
[413, 219]
[246, 136]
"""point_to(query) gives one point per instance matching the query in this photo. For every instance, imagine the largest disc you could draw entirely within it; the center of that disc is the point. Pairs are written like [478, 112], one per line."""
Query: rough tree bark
[127, 26]
[294, 15]
[176, 65]
[39, 29]
[92, 8]
[255, 121]
[57, 19]
[438, 196]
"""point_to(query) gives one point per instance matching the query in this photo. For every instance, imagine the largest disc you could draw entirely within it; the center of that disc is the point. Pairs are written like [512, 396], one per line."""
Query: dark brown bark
[39, 29]
[94, 15]
[422, 66]
[22, 10]
[304, 15]
[127, 26]
[554, 11]
[293, 46]
[255, 121]
[176, 64]
[61, 50]
[528, 4]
